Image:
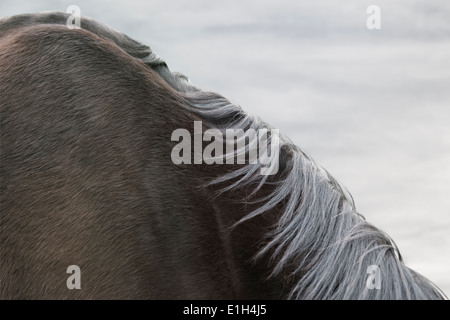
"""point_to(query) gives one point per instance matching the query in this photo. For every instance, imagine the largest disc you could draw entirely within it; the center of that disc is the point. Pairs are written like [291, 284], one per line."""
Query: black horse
[88, 179]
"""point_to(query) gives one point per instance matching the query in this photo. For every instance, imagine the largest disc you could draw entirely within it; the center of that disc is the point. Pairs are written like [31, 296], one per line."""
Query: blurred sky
[370, 106]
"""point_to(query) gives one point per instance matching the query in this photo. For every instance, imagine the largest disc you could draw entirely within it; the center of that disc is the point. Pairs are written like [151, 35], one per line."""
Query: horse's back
[85, 173]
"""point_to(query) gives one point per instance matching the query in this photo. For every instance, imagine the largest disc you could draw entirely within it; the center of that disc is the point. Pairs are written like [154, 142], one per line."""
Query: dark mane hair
[319, 243]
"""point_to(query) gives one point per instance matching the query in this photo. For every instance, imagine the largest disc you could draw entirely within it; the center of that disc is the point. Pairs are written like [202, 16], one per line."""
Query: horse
[87, 180]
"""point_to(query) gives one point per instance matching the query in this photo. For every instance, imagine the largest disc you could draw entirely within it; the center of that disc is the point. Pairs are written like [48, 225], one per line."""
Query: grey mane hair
[320, 243]
[319, 235]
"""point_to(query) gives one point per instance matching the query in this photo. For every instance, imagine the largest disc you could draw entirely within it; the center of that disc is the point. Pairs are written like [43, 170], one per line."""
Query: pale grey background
[371, 106]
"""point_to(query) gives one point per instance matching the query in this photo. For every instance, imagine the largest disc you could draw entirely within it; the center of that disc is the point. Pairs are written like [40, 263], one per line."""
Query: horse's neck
[239, 244]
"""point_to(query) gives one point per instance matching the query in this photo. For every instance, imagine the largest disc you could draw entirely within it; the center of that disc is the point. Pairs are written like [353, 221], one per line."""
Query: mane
[321, 243]
[320, 235]
[320, 240]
